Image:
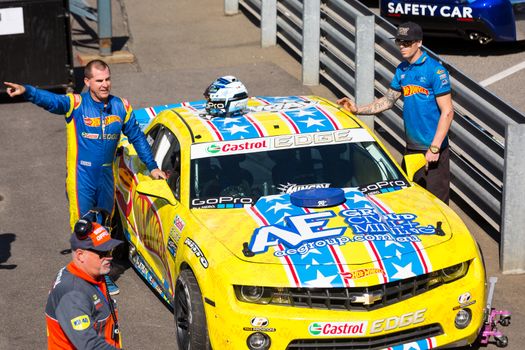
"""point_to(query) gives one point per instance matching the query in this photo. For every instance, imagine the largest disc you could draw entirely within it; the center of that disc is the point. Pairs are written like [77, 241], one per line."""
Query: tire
[502, 341]
[190, 319]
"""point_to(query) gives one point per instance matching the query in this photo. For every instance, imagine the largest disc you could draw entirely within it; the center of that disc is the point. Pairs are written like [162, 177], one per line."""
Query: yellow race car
[292, 227]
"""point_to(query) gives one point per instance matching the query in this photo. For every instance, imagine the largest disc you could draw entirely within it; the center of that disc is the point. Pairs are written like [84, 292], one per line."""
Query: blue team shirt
[420, 83]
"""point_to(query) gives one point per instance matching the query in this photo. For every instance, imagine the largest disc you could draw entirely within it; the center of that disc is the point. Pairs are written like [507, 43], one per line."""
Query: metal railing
[477, 136]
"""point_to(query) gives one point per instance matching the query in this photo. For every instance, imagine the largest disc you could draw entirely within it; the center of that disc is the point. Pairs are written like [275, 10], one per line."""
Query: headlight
[449, 274]
[262, 295]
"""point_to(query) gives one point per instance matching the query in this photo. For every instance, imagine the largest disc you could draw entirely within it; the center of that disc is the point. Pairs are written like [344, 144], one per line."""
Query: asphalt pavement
[180, 47]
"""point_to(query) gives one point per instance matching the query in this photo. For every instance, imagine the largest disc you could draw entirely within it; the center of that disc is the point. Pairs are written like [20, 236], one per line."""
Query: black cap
[409, 31]
[95, 238]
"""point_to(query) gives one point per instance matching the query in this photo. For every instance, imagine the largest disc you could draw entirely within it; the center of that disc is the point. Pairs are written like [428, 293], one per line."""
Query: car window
[152, 137]
[168, 158]
[248, 176]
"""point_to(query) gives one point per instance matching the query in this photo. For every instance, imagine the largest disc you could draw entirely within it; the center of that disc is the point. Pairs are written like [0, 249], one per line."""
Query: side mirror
[414, 162]
[157, 188]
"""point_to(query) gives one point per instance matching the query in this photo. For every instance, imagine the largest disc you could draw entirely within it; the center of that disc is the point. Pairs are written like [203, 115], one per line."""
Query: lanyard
[109, 301]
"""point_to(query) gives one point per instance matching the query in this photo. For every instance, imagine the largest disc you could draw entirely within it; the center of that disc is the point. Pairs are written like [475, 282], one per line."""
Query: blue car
[479, 20]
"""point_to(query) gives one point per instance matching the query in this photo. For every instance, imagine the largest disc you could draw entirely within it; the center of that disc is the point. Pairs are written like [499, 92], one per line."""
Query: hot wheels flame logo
[95, 122]
[410, 90]
[357, 274]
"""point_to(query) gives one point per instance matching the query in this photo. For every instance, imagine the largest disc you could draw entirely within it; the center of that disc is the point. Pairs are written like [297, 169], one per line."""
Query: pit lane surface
[33, 211]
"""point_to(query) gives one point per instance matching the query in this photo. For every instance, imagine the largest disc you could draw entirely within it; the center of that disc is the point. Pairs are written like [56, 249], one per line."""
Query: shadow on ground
[6, 239]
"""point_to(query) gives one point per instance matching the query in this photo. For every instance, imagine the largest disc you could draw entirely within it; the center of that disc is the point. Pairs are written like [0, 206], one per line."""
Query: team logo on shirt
[410, 90]
[80, 323]
[95, 122]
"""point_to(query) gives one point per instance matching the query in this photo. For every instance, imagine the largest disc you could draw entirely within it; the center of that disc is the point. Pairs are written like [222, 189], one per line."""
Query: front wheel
[190, 320]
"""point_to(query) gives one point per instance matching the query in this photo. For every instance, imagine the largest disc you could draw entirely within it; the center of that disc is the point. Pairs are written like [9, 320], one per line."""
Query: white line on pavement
[503, 74]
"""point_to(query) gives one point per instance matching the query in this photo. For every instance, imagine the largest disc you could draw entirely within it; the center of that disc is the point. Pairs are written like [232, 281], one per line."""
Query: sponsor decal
[305, 232]
[410, 9]
[259, 322]
[320, 138]
[361, 273]
[300, 229]
[319, 261]
[179, 223]
[172, 247]
[440, 71]
[90, 136]
[100, 236]
[410, 90]
[462, 306]
[93, 136]
[93, 122]
[213, 149]
[282, 106]
[235, 146]
[368, 221]
[291, 188]
[197, 251]
[324, 329]
[110, 119]
[394, 322]
[464, 300]
[384, 186]
[77, 99]
[222, 148]
[259, 329]
[222, 203]
[80, 323]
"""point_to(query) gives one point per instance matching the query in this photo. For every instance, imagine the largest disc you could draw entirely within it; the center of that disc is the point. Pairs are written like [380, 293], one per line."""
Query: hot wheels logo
[410, 90]
[362, 273]
[337, 328]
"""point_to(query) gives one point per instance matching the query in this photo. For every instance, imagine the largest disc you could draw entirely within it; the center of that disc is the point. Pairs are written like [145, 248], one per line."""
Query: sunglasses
[405, 43]
[100, 254]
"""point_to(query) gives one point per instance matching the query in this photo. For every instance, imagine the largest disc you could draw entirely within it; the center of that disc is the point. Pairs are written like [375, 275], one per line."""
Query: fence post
[231, 7]
[311, 33]
[364, 64]
[269, 23]
[104, 27]
[512, 245]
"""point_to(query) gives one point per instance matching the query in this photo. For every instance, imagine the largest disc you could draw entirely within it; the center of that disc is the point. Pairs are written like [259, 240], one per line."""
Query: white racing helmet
[226, 96]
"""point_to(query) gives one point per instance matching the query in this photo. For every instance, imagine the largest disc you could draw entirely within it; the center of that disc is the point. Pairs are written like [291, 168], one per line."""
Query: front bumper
[427, 319]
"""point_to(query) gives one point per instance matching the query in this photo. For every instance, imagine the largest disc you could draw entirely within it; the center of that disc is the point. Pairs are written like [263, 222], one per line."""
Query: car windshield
[238, 180]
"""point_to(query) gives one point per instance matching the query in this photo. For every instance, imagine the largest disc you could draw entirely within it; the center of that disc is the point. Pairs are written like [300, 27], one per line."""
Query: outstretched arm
[54, 103]
[378, 106]
[14, 89]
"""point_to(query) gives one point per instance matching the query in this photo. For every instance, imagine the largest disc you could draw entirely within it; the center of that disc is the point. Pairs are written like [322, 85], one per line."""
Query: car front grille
[358, 298]
[368, 343]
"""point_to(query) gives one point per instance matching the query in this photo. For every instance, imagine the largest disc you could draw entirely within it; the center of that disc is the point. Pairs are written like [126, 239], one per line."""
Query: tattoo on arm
[381, 104]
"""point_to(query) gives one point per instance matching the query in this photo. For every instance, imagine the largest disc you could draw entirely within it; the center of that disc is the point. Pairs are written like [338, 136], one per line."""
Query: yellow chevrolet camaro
[292, 227]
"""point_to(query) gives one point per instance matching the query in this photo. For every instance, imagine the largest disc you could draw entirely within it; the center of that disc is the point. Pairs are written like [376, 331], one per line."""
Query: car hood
[363, 229]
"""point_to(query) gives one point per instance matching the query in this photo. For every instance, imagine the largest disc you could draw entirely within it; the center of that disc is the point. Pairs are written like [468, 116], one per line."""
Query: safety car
[478, 20]
[290, 226]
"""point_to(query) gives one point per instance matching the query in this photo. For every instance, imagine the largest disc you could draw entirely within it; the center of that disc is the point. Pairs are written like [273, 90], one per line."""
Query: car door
[155, 218]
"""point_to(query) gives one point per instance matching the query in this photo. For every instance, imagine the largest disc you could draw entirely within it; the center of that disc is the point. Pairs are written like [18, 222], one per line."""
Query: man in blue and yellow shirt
[94, 121]
[427, 112]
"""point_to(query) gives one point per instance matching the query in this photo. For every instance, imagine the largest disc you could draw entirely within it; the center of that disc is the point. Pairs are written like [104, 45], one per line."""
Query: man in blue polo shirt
[427, 112]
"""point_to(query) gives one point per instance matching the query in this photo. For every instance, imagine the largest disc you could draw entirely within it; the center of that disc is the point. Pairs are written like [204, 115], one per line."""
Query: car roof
[266, 116]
